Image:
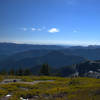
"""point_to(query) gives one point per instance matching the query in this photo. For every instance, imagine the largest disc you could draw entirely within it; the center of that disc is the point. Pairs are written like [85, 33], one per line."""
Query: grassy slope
[60, 89]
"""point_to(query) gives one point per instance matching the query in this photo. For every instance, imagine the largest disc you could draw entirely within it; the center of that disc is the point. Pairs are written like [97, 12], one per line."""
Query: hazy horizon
[51, 44]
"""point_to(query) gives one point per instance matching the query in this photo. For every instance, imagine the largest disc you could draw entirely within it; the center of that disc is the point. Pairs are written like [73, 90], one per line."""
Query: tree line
[44, 70]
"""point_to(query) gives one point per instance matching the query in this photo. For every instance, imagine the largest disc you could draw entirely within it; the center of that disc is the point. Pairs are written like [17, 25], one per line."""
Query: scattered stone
[21, 98]
[8, 95]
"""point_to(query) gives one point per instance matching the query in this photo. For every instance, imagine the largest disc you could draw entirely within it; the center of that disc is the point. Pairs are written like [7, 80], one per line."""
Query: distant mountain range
[91, 54]
[26, 55]
[8, 49]
[54, 59]
[11, 48]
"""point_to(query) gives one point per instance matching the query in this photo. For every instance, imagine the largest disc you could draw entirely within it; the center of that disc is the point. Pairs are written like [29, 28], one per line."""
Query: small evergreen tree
[44, 70]
[27, 72]
[3, 72]
[20, 72]
[12, 72]
[17, 72]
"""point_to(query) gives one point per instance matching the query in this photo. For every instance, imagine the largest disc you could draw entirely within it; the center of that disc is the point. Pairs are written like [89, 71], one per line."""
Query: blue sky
[74, 22]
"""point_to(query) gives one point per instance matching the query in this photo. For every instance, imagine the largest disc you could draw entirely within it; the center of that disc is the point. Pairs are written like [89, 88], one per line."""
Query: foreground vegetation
[58, 89]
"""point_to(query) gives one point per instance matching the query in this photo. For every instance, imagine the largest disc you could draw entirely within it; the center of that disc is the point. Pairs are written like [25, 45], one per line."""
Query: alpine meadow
[49, 50]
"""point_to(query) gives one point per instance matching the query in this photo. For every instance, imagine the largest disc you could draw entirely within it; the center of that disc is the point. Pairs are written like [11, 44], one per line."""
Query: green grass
[59, 89]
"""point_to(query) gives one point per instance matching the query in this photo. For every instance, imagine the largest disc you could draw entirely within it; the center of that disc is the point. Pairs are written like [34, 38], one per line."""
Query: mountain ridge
[54, 59]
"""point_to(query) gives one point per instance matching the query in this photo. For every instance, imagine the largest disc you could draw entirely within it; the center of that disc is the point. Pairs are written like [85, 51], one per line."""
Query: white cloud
[33, 29]
[38, 28]
[41, 28]
[53, 30]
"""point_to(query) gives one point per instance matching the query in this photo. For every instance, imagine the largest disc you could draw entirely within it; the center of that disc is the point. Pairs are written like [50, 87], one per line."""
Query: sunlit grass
[58, 89]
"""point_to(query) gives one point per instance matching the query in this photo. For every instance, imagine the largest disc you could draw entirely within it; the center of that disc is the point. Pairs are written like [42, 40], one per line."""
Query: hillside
[91, 52]
[29, 54]
[87, 66]
[8, 49]
[88, 53]
[54, 59]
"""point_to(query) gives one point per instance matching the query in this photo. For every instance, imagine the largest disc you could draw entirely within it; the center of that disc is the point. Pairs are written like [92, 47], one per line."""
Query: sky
[75, 22]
